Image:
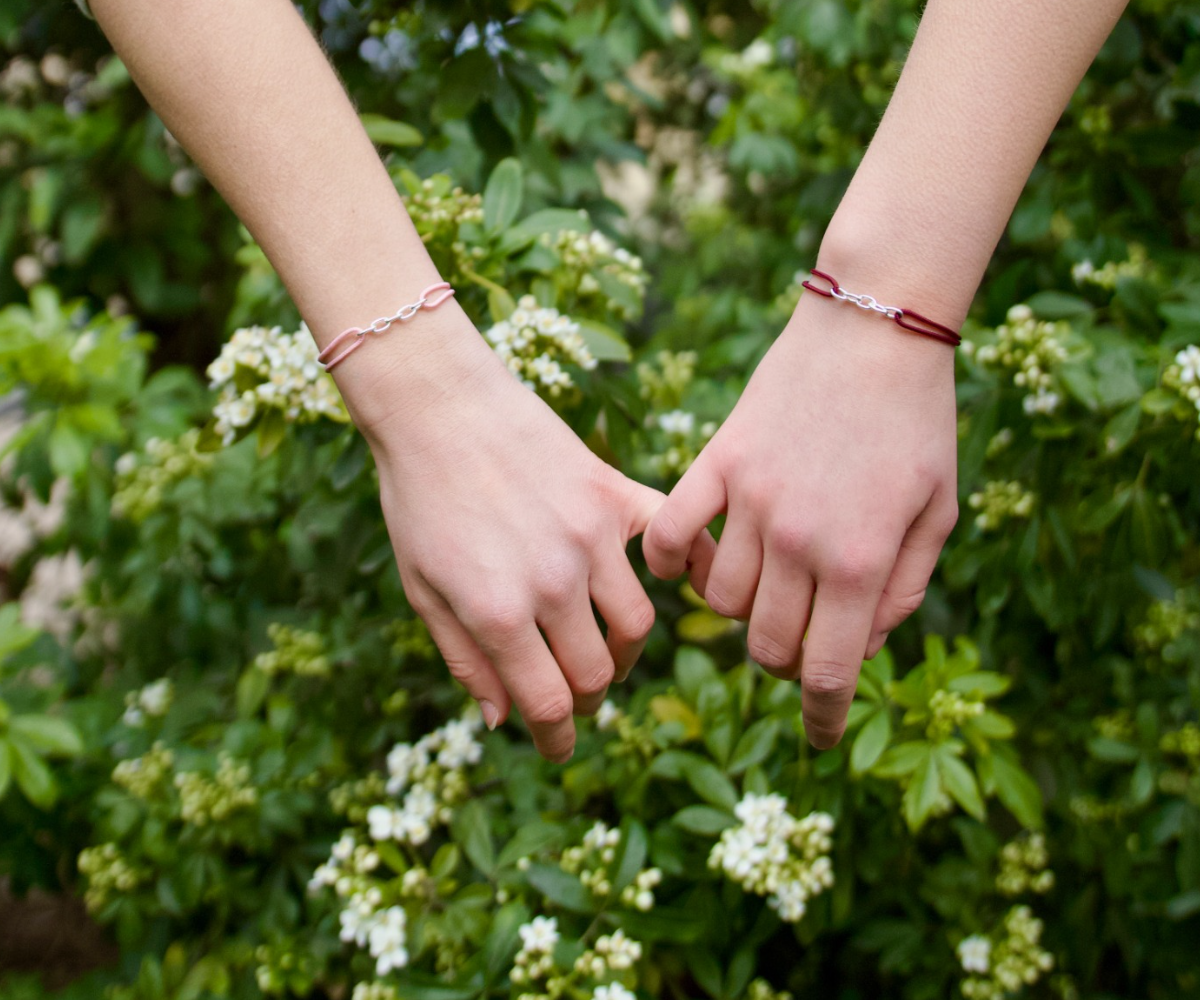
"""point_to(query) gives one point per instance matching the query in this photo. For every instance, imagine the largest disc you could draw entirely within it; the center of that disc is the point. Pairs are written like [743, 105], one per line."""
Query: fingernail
[491, 714]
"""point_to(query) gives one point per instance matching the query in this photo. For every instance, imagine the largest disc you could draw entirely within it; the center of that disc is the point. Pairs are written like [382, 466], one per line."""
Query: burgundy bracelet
[906, 318]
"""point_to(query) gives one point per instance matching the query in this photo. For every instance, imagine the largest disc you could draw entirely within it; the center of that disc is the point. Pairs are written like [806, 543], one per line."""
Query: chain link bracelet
[905, 318]
[431, 298]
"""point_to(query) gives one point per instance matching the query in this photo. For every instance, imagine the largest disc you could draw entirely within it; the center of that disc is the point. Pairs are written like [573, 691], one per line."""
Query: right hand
[506, 530]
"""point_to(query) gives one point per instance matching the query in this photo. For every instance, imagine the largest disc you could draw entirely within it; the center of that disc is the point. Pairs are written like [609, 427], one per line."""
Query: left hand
[837, 472]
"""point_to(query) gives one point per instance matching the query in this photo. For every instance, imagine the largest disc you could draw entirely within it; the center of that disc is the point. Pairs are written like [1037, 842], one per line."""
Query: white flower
[607, 715]
[539, 936]
[677, 422]
[974, 953]
[459, 746]
[1189, 364]
[155, 698]
[620, 951]
[613, 991]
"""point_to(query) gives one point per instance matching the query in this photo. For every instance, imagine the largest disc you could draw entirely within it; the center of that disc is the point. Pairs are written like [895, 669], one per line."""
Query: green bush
[238, 743]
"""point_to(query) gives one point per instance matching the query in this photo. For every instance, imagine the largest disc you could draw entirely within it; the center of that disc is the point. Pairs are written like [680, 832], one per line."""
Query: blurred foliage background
[222, 727]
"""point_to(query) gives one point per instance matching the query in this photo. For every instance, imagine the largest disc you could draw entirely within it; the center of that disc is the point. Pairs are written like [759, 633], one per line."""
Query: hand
[837, 472]
[506, 530]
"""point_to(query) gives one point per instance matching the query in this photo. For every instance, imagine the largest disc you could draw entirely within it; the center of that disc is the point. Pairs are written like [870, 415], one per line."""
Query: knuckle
[462, 670]
[551, 710]
[902, 607]
[499, 618]
[947, 519]
[636, 623]
[725, 603]
[594, 680]
[827, 678]
[555, 583]
[768, 651]
[860, 566]
[665, 533]
[789, 540]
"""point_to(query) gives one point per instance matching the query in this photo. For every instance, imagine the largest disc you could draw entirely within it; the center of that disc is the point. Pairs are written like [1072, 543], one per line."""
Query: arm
[506, 528]
[837, 467]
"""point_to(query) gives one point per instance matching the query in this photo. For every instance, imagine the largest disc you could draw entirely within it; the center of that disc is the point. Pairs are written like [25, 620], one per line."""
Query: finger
[510, 639]
[915, 563]
[582, 655]
[465, 660]
[832, 653]
[626, 610]
[699, 561]
[670, 537]
[782, 605]
[736, 566]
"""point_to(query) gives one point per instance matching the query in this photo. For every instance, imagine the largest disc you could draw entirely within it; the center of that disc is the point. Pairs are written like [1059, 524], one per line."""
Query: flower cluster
[1006, 962]
[437, 209]
[374, 991]
[615, 952]
[607, 967]
[1183, 378]
[285, 968]
[144, 777]
[1184, 741]
[144, 478]
[1024, 867]
[948, 710]
[633, 737]
[204, 800]
[594, 254]
[676, 440]
[1165, 622]
[264, 369]
[109, 875]
[153, 701]
[296, 651]
[535, 960]
[773, 854]
[48, 601]
[999, 502]
[592, 861]
[353, 798]
[1030, 350]
[1137, 266]
[664, 381]
[760, 989]
[536, 343]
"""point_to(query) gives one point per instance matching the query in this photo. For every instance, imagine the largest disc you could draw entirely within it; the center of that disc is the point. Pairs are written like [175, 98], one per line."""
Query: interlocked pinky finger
[466, 662]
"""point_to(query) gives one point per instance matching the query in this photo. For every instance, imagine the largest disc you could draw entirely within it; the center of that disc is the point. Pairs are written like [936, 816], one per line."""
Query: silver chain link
[868, 302]
[404, 313]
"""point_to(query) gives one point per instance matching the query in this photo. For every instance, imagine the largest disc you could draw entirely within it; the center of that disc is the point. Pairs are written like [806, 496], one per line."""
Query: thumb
[676, 538]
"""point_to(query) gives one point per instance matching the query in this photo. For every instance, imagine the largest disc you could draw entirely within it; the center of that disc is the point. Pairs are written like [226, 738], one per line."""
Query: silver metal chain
[404, 313]
[868, 302]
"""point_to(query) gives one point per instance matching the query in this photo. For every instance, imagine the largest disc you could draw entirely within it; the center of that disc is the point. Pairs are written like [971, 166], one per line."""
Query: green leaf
[502, 196]
[604, 342]
[902, 759]
[631, 854]
[501, 304]
[871, 742]
[561, 888]
[386, 132]
[252, 689]
[31, 773]
[1112, 751]
[471, 827]
[549, 220]
[15, 635]
[703, 820]
[68, 450]
[5, 766]
[981, 683]
[708, 781]
[503, 939]
[48, 734]
[960, 783]
[921, 796]
[528, 840]
[755, 746]
[1054, 305]
[1018, 791]
[272, 429]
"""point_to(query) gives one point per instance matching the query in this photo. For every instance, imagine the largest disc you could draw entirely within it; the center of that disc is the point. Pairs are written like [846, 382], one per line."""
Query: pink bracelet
[431, 298]
[903, 317]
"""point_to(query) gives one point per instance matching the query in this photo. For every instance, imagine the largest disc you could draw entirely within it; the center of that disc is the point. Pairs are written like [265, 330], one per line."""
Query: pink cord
[428, 300]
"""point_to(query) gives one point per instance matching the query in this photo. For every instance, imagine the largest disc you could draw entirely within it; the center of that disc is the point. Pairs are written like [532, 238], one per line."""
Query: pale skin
[837, 467]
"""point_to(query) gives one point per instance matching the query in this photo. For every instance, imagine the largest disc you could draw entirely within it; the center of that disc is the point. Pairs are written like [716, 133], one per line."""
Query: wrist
[400, 380]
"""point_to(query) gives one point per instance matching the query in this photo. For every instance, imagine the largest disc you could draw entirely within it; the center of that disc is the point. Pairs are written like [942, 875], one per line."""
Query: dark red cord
[905, 318]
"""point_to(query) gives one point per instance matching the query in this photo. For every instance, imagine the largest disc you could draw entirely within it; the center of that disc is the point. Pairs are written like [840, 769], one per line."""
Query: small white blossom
[539, 936]
[613, 991]
[974, 953]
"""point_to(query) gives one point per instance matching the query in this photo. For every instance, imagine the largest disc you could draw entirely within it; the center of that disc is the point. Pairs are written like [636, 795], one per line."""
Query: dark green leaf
[503, 195]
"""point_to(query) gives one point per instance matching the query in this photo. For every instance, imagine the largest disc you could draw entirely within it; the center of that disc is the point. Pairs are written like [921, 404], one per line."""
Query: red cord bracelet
[905, 318]
[431, 298]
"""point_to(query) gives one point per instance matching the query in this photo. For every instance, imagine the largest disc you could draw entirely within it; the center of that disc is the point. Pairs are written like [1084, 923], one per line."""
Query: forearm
[248, 92]
[981, 91]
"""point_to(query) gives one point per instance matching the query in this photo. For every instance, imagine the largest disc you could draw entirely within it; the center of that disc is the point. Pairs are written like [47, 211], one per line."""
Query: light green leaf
[901, 759]
[31, 773]
[871, 742]
[755, 746]
[386, 132]
[922, 794]
[981, 683]
[529, 839]
[604, 342]
[503, 195]
[631, 854]
[703, 820]
[1018, 791]
[961, 783]
[48, 734]
[252, 689]
[709, 782]
[561, 888]
[472, 829]
[549, 220]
